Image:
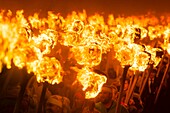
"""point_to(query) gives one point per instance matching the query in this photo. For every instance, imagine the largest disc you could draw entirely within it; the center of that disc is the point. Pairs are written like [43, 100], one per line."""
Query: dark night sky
[117, 7]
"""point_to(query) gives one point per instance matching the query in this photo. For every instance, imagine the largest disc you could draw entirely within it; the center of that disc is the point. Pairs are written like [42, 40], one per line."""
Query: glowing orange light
[91, 81]
[88, 55]
[48, 69]
[29, 42]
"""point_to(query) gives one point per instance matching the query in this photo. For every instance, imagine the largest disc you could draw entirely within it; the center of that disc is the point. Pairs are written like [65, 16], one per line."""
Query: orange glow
[11, 33]
[88, 55]
[34, 42]
[168, 49]
[44, 42]
[133, 55]
[47, 69]
[152, 51]
[91, 81]
[166, 39]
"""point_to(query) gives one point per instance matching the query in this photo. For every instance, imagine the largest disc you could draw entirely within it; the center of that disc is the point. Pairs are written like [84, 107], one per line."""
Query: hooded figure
[57, 104]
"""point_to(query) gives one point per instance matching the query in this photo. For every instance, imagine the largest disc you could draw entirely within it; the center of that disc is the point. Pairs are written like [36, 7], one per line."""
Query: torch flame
[30, 42]
[48, 69]
[88, 55]
[168, 49]
[91, 81]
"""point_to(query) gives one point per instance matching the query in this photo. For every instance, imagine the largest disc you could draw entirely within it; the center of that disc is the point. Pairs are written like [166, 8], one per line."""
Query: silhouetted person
[107, 105]
[149, 92]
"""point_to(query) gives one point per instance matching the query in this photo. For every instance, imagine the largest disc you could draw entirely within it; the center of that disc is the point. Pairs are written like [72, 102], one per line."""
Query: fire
[140, 62]
[133, 55]
[168, 49]
[48, 69]
[88, 55]
[153, 51]
[124, 55]
[166, 39]
[11, 32]
[32, 42]
[23, 56]
[44, 42]
[91, 81]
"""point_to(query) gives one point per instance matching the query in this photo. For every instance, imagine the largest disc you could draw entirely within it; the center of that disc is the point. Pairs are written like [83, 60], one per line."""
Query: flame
[124, 55]
[166, 34]
[133, 55]
[23, 56]
[140, 61]
[168, 49]
[31, 42]
[47, 69]
[154, 58]
[88, 55]
[11, 32]
[73, 35]
[44, 42]
[91, 81]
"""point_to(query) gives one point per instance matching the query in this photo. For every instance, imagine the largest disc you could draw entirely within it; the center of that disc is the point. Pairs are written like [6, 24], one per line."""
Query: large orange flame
[48, 69]
[91, 81]
[133, 55]
[88, 55]
[30, 42]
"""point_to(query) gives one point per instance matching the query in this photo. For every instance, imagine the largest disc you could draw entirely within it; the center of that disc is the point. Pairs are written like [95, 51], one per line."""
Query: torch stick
[163, 78]
[132, 87]
[41, 102]
[160, 65]
[144, 83]
[145, 80]
[131, 81]
[142, 80]
[121, 88]
[21, 94]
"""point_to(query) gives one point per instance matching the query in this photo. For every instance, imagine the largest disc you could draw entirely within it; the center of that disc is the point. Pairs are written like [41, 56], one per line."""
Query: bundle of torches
[29, 42]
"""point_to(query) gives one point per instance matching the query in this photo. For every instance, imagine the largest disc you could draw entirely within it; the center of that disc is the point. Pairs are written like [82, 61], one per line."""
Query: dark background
[105, 7]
